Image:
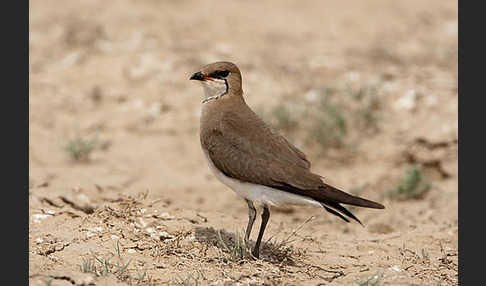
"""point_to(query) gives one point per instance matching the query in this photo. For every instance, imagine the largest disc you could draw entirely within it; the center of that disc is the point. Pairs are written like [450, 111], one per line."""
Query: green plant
[80, 148]
[326, 132]
[238, 250]
[191, 276]
[414, 186]
[328, 123]
[335, 117]
[88, 266]
[115, 264]
[284, 118]
[369, 102]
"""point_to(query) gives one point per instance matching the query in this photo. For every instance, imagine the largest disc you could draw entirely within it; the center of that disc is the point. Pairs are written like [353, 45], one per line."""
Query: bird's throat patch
[214, 89]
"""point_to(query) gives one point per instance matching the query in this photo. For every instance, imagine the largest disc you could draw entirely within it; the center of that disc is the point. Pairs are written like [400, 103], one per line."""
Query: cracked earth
[143, 207]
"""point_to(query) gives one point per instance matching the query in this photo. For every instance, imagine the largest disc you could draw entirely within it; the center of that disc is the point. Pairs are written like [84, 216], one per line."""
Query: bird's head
[219, 79]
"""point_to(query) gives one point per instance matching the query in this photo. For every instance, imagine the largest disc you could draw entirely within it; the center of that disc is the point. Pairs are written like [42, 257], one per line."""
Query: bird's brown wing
[260, 156]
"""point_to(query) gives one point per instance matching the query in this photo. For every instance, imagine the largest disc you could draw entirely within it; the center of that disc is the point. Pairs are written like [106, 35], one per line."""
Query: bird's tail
[331, 194]
[332, 198]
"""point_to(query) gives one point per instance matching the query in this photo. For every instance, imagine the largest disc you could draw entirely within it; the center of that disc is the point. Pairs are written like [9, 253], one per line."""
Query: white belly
[259, 193]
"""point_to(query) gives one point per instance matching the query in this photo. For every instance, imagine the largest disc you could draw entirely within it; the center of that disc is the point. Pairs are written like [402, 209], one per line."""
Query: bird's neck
[213, 110]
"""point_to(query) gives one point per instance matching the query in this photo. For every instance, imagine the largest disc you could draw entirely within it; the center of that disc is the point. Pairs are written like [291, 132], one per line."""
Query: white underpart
[259, 193]
[213, 88]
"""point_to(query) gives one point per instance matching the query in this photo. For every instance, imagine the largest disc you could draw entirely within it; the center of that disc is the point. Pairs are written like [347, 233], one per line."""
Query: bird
[254, 160]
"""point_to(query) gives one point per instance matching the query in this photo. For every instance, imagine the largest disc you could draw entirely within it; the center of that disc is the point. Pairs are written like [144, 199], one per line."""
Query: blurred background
[367, 89]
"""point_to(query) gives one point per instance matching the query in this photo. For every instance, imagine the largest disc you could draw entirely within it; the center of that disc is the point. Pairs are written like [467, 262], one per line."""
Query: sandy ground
[144, 208]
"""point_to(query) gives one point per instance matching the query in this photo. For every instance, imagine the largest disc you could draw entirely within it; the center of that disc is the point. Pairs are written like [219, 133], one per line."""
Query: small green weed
[238, 250]
[88, 266]
[284, 118]
[414, 186]
[329, 128]
[192, 276]
[334, 117]
[80, 148]
[113, 263]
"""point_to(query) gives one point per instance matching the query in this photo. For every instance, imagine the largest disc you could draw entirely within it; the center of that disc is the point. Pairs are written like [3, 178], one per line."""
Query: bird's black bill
[197, 76]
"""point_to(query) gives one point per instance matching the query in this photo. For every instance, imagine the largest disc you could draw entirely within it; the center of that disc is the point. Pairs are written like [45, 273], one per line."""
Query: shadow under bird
[253, 160]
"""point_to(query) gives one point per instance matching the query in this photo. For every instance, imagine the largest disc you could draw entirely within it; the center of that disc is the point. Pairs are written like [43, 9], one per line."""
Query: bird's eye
[220, 74]
[224, 73]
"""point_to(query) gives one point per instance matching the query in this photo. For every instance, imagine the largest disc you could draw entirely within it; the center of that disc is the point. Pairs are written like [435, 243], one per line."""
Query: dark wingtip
[375, 205]
[331, 193]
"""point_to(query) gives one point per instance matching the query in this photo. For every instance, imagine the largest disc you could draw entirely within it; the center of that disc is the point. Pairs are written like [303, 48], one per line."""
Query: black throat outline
[218, 96]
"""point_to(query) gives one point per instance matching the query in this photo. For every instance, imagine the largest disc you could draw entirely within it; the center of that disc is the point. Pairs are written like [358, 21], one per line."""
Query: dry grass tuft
[113, 263]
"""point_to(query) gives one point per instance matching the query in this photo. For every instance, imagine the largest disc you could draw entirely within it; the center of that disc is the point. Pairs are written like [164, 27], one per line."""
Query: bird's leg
[251, 220]
[265, 217]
